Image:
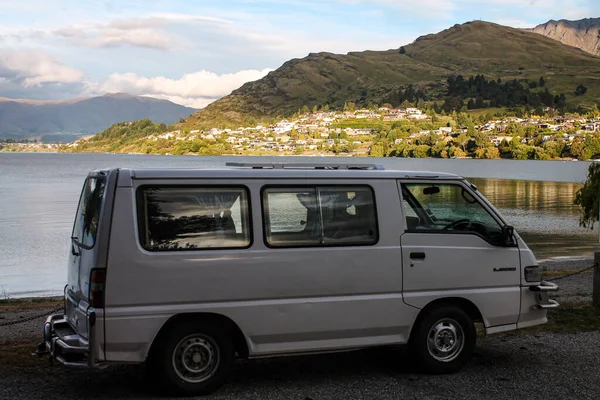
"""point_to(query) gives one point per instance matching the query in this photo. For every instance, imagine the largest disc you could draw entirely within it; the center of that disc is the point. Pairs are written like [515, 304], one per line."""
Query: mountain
[584, 33]
[66, 120]
[472, 48]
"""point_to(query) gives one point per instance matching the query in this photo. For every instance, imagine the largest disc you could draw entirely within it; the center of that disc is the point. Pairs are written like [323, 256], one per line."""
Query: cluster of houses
[314, 131]
[310, 132]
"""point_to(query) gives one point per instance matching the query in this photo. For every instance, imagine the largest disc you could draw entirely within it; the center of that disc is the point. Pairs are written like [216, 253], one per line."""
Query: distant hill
[376, 76]
[583, 33]
[67, 120]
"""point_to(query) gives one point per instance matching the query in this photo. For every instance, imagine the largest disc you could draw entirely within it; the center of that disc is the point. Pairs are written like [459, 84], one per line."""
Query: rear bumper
[66, 346]
[544, 302]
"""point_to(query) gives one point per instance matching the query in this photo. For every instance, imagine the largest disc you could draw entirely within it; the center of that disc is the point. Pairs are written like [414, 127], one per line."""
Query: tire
[443, 341]
[194, 358]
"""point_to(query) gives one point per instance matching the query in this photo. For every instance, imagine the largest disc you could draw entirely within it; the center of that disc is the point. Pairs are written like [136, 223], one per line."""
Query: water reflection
[543, 213]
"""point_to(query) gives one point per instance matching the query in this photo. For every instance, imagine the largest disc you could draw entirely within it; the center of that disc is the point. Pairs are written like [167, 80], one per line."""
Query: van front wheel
[195, 358]
[444, 340]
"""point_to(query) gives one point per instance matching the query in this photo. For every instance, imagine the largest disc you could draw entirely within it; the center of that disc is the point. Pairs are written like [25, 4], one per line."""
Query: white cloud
[34, 68]
[194, 102]
[195, 89]
[149, 38]
[138, 32]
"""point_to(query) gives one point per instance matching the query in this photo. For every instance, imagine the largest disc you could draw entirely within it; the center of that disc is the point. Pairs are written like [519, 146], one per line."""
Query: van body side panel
[463, 266]
[283, 299]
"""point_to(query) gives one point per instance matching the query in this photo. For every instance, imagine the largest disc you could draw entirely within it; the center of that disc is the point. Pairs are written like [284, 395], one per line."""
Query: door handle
[417, 256]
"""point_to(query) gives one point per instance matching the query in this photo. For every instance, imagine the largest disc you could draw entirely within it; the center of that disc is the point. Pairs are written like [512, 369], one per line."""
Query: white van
[187, 269]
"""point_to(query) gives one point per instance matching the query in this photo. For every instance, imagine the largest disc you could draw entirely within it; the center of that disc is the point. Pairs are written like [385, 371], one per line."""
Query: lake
[39, 194]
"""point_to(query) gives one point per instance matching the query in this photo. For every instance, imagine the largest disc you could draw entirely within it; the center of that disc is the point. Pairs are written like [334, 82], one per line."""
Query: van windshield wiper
[74, 242]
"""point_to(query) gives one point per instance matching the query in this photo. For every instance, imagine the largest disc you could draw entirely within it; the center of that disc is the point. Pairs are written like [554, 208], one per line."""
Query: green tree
[542, 82]
[438, 148]
[377, 150]
[421, 151]
[579, 150]
[520, 151]
[462, 141]
[402, 50]
[481, 140]
[540, 154]
[587, 197]
[581, 90]
[456, 152]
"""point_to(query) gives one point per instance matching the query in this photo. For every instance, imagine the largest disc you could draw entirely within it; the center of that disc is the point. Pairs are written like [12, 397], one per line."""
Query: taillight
[97, 286]
[533, 273]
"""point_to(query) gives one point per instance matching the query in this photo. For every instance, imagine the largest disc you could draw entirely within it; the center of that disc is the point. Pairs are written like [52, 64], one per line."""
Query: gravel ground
[540, 365]
[573, 288]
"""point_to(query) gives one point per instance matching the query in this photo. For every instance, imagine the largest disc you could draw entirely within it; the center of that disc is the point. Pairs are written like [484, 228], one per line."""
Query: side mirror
[508, 235]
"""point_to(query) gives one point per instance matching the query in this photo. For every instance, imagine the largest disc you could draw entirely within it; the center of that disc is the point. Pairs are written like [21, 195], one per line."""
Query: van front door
[452, 246]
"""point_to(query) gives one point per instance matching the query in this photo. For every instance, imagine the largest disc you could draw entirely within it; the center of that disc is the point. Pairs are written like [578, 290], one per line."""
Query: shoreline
[277, 154]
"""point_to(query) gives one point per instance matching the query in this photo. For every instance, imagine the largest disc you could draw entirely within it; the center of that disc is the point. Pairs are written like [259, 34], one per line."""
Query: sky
[193, 52]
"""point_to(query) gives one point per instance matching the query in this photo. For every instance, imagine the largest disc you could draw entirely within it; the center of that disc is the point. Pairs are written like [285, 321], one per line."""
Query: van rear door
[89, 240]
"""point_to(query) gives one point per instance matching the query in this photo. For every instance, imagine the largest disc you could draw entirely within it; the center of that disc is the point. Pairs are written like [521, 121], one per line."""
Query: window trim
[500, 223]
[316, 187]
[141, 221]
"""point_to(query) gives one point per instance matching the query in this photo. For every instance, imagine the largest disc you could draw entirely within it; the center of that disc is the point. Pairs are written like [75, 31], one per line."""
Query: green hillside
[469, 49]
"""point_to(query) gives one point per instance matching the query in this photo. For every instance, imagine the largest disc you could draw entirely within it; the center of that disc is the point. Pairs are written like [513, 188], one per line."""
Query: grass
[16, 305]
[484, 111]
[563, 272]
[573, 317]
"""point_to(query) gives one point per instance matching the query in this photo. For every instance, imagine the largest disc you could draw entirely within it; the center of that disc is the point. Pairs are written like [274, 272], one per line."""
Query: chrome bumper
[66, 346]
[544, 301]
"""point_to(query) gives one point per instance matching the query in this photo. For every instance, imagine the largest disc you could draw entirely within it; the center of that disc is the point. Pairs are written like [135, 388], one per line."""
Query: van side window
[185, 218]
[88, 211]
[319, 216]
[446, 208]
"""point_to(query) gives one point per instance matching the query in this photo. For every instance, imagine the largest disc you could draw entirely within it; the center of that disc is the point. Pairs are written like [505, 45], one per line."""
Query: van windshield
[88, 211]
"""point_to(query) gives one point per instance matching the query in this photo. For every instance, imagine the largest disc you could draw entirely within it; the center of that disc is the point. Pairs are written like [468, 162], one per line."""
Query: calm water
[39, 193]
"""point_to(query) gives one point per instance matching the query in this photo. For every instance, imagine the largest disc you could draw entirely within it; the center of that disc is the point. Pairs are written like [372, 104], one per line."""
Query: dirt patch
[18, 355]
[41, 303]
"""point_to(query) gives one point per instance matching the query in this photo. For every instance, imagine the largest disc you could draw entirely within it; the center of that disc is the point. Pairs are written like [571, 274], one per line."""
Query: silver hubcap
[445, 340]
[196, 358]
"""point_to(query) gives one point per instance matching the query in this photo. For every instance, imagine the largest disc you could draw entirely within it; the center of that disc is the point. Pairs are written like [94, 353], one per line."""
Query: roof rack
[283, 165]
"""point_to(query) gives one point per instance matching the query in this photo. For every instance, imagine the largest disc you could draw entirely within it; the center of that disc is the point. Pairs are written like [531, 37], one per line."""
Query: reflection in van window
[88, 211]
[180, 218]
[446, 208]
[319, 216]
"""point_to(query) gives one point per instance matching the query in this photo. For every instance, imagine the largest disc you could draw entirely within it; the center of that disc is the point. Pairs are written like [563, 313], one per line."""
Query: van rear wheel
[443, 341]
[194, 358]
